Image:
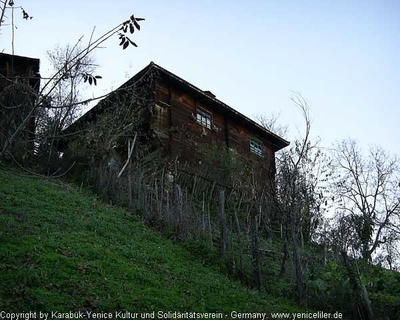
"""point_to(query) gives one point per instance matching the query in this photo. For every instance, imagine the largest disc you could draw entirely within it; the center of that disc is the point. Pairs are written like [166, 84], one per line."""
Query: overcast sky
[342, 56]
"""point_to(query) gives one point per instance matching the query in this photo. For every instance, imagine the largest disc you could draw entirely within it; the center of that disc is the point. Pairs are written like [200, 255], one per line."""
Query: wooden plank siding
[168, 120]
[18, 69]
[185, 136]
[16, 101]
[175, 122]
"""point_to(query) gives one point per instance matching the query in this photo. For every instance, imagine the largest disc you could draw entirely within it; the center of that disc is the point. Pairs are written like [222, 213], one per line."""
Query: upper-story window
[257, 147]
[204, 118]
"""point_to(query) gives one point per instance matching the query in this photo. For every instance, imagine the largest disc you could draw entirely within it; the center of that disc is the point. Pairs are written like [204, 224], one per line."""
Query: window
[204, 118]
[257, 147]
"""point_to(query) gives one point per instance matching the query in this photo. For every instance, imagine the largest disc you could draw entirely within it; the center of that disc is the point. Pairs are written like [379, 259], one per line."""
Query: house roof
[17, 67]
[20, 60]
[277, 141]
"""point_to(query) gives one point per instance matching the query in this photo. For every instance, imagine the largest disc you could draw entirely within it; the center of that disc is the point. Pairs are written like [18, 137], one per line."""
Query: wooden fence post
[256, 251]
[239, 239]
[130, 200]
[222, 222]
[209, 214]
[203, 213]
[141, 193]
[179, 202]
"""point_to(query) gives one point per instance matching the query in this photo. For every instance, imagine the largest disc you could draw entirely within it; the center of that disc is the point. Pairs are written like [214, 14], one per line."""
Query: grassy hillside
[64, 250]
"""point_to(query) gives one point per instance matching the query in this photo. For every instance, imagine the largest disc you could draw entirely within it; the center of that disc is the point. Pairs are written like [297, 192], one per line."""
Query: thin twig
[3, 10]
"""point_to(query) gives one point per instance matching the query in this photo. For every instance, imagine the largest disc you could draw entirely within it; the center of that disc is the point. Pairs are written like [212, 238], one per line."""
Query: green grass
[66, 251]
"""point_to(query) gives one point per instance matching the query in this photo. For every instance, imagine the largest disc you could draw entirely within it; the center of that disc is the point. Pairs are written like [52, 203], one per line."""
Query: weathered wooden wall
[24, 68]
[174, 121]
[19, 84]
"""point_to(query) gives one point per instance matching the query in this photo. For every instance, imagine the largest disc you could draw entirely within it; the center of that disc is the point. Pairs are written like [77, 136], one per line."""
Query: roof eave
[279, 142]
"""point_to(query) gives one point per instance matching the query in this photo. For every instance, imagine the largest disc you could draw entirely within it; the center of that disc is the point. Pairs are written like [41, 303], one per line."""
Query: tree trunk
[362, 308]
[285, 251]
[298, 273]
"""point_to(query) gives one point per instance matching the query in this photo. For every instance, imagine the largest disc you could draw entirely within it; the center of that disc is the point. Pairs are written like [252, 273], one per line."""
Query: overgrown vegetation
[264, 228]
[270, 236]
[62, 249]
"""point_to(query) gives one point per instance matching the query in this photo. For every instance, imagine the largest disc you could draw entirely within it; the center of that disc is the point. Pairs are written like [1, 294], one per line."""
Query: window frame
[257, 147]
[204, 118]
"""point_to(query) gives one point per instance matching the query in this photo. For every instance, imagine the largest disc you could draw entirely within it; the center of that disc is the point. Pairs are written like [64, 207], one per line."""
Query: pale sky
[342, 56]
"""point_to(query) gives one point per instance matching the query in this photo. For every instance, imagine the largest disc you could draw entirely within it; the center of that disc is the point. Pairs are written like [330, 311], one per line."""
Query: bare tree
[367, 190]
[75, 60]
[389, 256]
[10, 5]
[62, 105]
[271, 123]
[3, 5]
[297, 200]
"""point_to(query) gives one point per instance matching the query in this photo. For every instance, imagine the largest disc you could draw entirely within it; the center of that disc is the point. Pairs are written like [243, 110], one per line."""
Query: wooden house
[19, 69]
[177, 119]
[19, 86]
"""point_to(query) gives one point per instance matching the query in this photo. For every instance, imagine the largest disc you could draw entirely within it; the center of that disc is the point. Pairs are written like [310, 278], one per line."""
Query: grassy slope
[61, 250]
